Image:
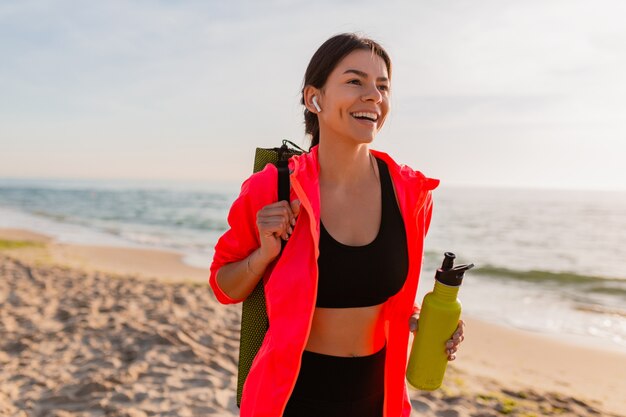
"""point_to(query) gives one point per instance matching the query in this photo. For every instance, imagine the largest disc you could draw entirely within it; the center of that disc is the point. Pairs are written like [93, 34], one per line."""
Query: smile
[366, 116]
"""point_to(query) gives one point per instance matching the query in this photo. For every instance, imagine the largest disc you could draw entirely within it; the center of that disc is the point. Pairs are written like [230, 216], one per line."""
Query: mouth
[367, 117]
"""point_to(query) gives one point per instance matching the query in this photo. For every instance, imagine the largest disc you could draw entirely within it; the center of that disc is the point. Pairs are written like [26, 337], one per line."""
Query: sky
[488, 93]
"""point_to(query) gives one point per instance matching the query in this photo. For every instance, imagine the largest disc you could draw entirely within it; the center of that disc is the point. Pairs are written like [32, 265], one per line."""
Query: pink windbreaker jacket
[291, 281]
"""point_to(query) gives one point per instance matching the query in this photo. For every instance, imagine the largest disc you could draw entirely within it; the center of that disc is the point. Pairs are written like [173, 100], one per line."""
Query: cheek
[386, 105]
[382, 122]
[385, 110]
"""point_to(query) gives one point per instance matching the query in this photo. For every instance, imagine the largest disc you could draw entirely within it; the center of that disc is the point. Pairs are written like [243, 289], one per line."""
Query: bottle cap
[449, 274]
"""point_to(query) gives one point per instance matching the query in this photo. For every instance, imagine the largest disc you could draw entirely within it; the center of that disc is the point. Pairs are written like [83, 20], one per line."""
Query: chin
[367, 139]
[362, 138]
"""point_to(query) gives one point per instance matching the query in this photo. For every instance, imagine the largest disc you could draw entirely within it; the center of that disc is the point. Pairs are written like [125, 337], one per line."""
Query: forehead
[362, 60]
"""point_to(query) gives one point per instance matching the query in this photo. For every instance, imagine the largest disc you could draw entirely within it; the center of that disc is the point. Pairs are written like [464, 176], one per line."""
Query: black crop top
[360, 276]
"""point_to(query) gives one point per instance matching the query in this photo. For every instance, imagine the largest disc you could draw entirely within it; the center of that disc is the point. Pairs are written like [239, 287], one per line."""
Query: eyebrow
[364, 75]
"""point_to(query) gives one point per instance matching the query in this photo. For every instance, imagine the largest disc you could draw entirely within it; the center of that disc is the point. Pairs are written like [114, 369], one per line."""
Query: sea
[546, 261]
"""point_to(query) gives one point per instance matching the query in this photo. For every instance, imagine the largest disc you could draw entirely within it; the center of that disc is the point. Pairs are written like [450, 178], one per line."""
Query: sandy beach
[101, 331]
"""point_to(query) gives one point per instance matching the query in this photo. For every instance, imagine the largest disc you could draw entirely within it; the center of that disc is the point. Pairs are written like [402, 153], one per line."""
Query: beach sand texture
[85, 341]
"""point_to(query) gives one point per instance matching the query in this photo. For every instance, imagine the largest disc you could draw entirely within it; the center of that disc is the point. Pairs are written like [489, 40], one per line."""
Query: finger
[287, 210]
[460, 328]
[281, 209]
[458, 333]
[452, 343]
[275, 225]
[451, 357]
[287, 234]
[274, 218]
[295, 207]
[290, 210]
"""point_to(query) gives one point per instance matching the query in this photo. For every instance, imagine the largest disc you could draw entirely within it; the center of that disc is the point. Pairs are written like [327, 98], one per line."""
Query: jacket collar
[408, 181]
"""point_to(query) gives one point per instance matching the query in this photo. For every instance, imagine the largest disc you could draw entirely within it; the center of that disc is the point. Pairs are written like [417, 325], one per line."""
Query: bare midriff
[357, 331]
[347, 332]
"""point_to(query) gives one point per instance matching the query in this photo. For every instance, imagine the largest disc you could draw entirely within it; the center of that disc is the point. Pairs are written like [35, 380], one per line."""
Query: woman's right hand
[276, 221]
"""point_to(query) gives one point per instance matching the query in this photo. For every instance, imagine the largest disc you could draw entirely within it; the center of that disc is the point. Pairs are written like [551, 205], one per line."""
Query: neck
[344, 164]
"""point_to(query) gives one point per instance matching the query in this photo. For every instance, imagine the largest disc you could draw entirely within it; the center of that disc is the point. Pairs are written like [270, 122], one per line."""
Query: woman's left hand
[452, 345]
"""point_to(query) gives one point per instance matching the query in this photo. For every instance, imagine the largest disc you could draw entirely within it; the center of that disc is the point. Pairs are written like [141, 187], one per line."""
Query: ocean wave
[543, 276]
[599, 309]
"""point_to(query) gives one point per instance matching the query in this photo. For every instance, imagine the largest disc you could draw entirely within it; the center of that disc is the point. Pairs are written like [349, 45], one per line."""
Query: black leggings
[332, 386]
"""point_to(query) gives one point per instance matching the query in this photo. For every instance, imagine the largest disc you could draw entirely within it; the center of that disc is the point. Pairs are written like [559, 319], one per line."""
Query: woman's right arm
[238, 279]
[234, 281]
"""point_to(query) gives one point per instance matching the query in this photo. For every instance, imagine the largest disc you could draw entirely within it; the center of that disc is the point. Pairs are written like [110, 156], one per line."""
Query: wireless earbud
[317, 106]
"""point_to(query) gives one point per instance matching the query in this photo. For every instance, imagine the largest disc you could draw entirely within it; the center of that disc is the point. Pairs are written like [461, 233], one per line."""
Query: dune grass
[19, 244]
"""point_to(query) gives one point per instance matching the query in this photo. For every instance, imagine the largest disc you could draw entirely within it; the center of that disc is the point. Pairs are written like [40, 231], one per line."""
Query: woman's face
[355, 98]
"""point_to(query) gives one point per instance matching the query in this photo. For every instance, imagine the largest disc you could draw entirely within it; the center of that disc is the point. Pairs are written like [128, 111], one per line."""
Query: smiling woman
[340, 301]
[356, 89]
[324, 62]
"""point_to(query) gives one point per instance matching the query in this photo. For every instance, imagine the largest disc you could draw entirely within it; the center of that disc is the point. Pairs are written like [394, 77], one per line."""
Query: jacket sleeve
[428, 212]
[240, 239]
[416, 308]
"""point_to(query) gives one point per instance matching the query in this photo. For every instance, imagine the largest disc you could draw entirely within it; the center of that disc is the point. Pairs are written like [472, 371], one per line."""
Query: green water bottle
[439, 318]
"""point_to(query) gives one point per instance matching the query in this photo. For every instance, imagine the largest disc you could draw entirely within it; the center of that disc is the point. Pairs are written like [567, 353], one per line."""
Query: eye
[384, 87]
[355, 81]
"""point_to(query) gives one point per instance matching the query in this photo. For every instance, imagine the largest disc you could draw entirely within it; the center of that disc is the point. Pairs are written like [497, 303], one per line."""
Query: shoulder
[405, 174]
[260, 188]
[264, 177]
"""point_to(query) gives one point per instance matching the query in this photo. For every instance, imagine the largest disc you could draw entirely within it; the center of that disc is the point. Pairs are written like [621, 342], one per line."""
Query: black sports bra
[360, 276]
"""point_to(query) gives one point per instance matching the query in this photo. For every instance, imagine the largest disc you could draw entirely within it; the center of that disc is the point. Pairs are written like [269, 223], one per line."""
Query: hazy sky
[485, 92]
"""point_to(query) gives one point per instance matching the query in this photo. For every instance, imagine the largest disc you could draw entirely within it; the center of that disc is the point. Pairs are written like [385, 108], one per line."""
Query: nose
[373, 94]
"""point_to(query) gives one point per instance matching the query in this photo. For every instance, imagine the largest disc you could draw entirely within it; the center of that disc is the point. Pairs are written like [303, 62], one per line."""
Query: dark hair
[324, 62]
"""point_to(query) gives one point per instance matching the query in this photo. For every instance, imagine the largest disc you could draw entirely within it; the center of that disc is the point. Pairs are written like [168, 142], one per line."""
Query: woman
[340, 298]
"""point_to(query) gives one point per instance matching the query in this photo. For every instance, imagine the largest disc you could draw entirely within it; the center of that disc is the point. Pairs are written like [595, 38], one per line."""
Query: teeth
[371, 116]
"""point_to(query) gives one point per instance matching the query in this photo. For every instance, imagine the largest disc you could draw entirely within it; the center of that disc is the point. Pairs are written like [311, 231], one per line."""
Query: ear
[308, 93]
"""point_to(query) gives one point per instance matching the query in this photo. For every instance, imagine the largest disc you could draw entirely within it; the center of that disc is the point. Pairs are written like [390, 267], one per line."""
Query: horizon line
[196, 181]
